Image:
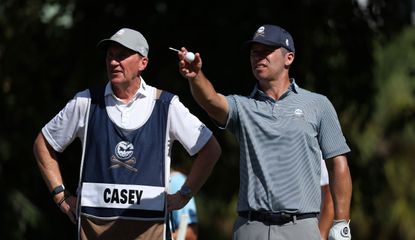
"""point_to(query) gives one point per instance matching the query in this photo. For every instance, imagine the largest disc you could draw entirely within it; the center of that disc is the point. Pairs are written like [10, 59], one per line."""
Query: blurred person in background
[184, 220]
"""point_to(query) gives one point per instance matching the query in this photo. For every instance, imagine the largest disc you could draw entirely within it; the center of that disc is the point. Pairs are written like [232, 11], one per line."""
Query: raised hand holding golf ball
[189, 57]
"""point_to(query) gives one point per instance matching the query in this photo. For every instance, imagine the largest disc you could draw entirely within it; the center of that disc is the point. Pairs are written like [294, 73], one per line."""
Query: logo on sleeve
[124, 156]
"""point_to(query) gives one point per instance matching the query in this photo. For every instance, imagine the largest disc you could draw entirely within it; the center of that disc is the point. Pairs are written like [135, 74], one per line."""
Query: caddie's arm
[203, 92]
[202, 167]
[49, 168]
[341, 191]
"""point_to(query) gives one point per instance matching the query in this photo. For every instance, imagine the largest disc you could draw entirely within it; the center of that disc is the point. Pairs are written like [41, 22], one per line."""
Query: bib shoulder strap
[158, 93]
[97, 94]
[163, 96]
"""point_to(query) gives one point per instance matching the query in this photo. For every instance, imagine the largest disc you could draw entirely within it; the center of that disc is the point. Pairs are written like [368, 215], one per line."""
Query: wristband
[66, 196]
[186, 192]
[58, 189]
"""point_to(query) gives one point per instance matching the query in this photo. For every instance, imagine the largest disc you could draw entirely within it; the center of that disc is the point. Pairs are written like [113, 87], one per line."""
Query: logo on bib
[123, 156]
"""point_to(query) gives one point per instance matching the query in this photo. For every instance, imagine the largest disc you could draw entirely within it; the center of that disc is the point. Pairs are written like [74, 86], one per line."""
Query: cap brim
[105, 43]
[246, 45]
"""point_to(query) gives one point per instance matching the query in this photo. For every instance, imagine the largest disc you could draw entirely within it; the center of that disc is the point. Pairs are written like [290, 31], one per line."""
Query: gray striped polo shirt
[280, 143]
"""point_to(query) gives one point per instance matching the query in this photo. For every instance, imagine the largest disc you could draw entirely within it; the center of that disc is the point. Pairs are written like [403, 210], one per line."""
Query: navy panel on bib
[132, 165]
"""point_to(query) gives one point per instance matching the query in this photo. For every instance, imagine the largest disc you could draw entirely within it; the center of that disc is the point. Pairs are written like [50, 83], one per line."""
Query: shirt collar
[258, 93]
[293, 86]
[143, 90]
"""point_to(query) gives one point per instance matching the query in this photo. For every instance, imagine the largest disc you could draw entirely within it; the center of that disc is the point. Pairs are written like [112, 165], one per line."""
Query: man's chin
[117, 80]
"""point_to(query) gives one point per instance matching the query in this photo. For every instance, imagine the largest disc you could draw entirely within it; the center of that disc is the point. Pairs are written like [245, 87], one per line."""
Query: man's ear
[143, 63]
[289, 58]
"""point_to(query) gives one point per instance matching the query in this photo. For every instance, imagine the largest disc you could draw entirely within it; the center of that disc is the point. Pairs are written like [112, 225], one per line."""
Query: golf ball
[189, 57]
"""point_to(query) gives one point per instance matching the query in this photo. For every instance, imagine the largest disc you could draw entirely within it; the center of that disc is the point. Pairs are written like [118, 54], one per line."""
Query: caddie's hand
[340, 230]
[187, 69]
[68, 206]
[176, 201]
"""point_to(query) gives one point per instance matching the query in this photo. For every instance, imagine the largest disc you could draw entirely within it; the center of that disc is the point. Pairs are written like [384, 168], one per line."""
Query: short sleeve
[331, 139]
[187, 128]
[68, 124]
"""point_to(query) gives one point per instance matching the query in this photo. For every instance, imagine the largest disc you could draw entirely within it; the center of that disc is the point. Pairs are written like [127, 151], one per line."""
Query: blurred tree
[30, 58]
[386, 142]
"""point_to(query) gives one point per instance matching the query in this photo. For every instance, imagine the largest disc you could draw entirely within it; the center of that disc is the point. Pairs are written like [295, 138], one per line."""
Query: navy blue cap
[272, 35]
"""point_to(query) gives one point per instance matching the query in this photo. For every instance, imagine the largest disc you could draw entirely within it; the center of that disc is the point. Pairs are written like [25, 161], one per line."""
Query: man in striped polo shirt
[281, 129]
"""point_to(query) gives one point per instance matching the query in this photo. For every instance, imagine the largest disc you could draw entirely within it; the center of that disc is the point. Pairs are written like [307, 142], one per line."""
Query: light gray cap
[129, 38]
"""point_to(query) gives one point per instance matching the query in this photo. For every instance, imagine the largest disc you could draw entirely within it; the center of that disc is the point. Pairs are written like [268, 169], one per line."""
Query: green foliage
[216, 216]
[386, 145]
[26, 215]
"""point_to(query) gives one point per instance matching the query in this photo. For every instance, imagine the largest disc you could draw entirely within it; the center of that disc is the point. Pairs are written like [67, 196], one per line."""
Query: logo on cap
[120, 32]
[260, 32]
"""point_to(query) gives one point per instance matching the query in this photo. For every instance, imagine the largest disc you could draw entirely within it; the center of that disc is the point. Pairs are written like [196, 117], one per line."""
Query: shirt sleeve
[68, 124]
[331, 139]
[187, 128]
[233, 117]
